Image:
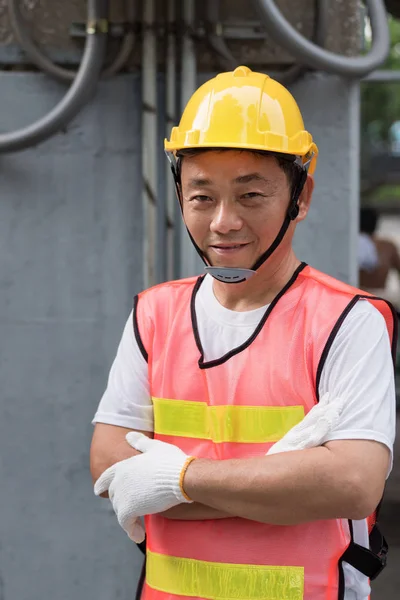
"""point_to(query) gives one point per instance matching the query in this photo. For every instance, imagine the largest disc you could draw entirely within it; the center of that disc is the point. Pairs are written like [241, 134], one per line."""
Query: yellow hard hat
[246, 110]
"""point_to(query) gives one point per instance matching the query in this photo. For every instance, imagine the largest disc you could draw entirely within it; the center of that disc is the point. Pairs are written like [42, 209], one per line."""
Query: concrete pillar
[327, 239]
[70, 263]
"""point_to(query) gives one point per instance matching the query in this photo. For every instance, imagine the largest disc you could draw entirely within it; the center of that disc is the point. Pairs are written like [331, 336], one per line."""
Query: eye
[200, 198]
[250, 195]
[252, 198]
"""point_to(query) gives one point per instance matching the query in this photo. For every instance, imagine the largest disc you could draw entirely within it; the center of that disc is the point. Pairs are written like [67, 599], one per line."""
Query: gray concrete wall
[70, 263]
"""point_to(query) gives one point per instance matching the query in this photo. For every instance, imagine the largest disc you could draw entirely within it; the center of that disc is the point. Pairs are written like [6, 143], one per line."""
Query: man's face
[234, 204]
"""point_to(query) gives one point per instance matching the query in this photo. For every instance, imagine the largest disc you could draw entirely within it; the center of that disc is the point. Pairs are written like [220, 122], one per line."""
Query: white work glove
[314, 429]
[144, 484]
[136, 531]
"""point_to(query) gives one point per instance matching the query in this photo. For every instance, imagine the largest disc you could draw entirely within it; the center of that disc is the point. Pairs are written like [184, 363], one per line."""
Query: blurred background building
[88, 218]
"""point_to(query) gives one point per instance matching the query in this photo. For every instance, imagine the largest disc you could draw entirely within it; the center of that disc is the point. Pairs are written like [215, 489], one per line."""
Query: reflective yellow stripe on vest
[245, 424]
[223, 581]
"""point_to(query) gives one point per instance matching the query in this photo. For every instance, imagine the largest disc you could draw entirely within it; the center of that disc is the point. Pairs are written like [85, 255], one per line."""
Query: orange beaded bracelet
[182, 476]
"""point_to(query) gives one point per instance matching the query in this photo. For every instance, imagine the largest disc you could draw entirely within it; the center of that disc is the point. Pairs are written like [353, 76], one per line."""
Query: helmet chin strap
[238, 274]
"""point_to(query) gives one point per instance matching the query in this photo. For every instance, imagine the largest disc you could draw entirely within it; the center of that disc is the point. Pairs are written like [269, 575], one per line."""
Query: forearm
[194, 512]
[108, 447]
[283, 489]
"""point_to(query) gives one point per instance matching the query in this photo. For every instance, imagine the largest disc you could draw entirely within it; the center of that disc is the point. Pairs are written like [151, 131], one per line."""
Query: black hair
[368, 220]
[285, 161]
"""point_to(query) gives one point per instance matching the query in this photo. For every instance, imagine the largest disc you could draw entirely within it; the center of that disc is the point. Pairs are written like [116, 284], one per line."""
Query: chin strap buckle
[229, 274]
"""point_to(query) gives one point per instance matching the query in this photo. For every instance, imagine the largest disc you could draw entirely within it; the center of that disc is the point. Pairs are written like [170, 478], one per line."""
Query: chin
[232, 264]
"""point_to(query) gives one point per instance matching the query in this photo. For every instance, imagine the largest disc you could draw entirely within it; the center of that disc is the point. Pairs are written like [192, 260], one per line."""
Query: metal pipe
[189, 66]
[190, 262]
[173, 211]
[45, 64]
[320, 30]
[217, 42]
[149, 136]
[78, 94]
[161, 254]
[318, 58]
[383, 76]
[321, 11]
[127, 44]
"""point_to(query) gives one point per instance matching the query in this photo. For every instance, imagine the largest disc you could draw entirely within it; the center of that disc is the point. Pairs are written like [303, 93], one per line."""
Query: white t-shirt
[358, 369]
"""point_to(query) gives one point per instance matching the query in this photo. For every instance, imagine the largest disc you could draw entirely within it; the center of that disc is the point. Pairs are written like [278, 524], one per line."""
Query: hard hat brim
[307, 155]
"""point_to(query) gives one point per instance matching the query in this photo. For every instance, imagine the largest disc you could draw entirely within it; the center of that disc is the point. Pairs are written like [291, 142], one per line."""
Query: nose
[226, 218]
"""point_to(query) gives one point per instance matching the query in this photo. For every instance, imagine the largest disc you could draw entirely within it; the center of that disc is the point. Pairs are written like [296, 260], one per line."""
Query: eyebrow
[251, 177]
[202, 182]
[199, 182]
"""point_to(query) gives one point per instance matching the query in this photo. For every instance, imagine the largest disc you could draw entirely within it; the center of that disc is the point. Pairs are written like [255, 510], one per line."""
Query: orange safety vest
[236, 407]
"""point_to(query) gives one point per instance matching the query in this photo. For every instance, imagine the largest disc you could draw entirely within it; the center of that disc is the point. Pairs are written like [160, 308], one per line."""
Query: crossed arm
[340, 479]
[110, 446]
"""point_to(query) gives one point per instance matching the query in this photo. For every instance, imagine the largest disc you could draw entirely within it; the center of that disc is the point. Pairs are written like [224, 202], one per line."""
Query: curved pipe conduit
[80, 91]
[318, 58]
[38, 58]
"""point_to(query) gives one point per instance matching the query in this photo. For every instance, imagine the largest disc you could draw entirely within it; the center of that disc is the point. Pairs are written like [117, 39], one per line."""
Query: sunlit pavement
[387, 586]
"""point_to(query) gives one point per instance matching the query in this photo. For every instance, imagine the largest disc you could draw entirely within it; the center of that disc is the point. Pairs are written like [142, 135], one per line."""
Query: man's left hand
[144, 484]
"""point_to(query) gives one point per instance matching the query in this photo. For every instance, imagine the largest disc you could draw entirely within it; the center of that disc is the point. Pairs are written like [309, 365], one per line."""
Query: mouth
[229, 248]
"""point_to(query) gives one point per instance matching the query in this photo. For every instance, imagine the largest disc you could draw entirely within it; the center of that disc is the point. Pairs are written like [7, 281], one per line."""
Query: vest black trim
[136, 329]
[330, 341]
[341, 587]
[339, 323]
[395, 323]
[219, 361]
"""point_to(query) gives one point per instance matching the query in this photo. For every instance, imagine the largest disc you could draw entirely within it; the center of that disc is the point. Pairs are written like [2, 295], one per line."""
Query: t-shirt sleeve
[359, 369]
[126, 401]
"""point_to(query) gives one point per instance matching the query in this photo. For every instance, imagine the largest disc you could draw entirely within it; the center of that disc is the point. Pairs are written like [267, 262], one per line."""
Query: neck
[261, 288]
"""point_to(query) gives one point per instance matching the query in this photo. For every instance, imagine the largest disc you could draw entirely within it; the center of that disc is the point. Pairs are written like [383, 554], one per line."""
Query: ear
[305, 198]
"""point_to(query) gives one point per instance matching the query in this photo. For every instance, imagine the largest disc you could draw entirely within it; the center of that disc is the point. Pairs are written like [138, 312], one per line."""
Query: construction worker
[213, 370]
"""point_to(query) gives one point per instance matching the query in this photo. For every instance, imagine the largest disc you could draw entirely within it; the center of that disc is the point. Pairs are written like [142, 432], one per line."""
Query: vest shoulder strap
[154, 304]
[383, 306]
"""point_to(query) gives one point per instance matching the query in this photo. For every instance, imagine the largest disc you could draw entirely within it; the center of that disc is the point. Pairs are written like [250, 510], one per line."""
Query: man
[220, 367]
[377, 257]
[368, 259]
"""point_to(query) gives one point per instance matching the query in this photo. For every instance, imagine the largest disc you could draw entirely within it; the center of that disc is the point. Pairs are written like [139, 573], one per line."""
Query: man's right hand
[108, 447]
